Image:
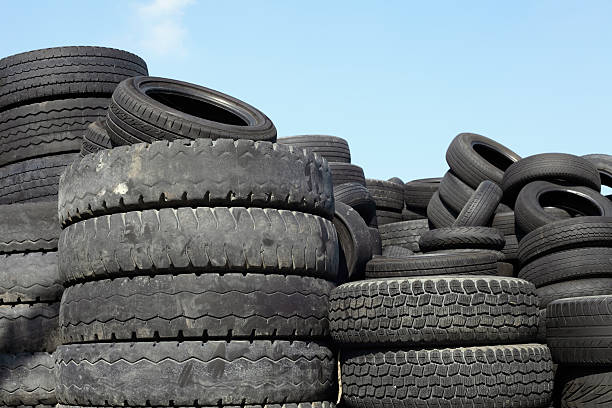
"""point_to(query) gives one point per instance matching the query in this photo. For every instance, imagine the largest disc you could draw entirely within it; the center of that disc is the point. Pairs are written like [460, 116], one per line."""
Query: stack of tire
[47, 99]
[355, 210]
[198, 271]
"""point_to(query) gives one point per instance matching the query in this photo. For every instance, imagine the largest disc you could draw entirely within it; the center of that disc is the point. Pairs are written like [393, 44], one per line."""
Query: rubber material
[384, 217]
[462, 238]
[417, 193]
[510, 250]
[504, 222]
[354, 243]
[438, 214]
[375, 241]
[30, 327]
[574, 288]
[481, 206]
[146, 109]
[489, 376]
[212, 373]
[346, 173]
[195, 173]
[316, 404]
[396, 180]
[26, 379]
[30, 277]
[332, 148]
[586, 388]
[387, 195]
[410, 215]
[95, 138]
[199, 239]
[396, 252]
[359, 198]
[436, 311]
[603, 163]
[405, 234]
[28, 227]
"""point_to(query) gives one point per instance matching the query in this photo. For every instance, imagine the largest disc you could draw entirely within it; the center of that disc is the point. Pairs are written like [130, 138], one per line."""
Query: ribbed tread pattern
[462, 238]
[29, 277]
[346, 173]
[210, 373]
[434, 311]
[202, 172]
[384, 217]
[30, 327]
[405, 234]
[454, 192]
[489, 376]
[386, 194]
[358, 198]
[332, 148]
[27, 379]
[587, 389]
[481, 206]
[438, 214]
[28, 227]
[203, 239]
[95, 138]
[574, 288]
[207, 306]
[396, 252]
[417, 193]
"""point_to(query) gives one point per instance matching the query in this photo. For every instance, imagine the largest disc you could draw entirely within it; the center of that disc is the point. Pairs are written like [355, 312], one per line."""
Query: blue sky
[398, 79]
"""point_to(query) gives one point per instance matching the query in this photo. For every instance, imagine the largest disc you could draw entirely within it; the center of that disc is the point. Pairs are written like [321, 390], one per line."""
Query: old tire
[331, 148]
[461, 238]
[481, 206]
[354, 243]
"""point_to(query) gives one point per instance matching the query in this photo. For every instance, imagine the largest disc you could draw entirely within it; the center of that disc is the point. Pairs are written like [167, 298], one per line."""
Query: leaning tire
[95, 139]
[358, 198]
[354, 243]
[438, 214]
[603, 163]
[481, 206]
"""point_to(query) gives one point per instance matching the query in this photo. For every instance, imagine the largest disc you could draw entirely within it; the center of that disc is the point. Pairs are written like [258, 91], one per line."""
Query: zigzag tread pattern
[27, 379]
[30, 277]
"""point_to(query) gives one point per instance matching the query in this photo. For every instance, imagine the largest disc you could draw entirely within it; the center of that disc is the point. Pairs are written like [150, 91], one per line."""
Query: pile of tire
[47, 99]
[198, 265]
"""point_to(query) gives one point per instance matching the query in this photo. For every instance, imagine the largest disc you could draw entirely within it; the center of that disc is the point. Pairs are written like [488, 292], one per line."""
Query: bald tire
[29, 227]
[27, 379]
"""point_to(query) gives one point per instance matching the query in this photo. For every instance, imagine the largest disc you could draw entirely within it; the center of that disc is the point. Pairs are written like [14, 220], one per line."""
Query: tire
[438, 214]
[47, 128]
[26, 379]
[397, 180]
[387, 195]
[417, 193]
[571, 264]
[95, 139]
[33, 180]
[358, 198]
[354, 243]
[504, 222]
[530, 205]
[574, 288]
[481, 206]
[30, 327]
[332, 148]
[396, 252]
[541, 337]
[505, 270]
[603, 163]
[409, 215]
[405, 234]
[430, 265]
[475, 158]
[204, 306]
[28, 227]
[384, 217]
[454, 192]
[462, 238]
[30, 277]
[555, 167]
[316, 404]
[582, 232]
[491, 376]
[376, 241]
[59, 73]
[510, 249]
[198, 173]
[451, 311]
[586, 388]
[196, 240]
[346, 173]
[147, 109]
[177, 374]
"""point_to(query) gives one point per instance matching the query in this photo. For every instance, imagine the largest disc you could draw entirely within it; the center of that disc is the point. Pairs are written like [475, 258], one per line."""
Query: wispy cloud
[162, 28]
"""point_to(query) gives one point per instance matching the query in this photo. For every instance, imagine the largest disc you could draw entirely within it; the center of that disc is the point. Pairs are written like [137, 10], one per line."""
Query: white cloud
[161, 25]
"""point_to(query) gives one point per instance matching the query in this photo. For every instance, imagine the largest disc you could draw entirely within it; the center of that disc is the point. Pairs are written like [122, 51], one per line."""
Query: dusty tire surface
[387, 195]
[358, 198]
[405, 234]
[27, 379]
[95, 138]
[354, 243]
[29, 327]
[30, 277]
[461, 238]
[29, 227]
[346, 173]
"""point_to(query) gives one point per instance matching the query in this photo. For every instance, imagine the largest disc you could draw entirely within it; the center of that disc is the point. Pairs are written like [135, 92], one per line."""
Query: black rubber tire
[541, 337]
[405, 234]
[571, 264]
[375, 241]
[603, 163]
[397, 180]
[316, 404]
[585, 387]
[487, 376]
[58, 73]
[195, 173]
[396, 252]
[26, 379]
[530, 205]
[411, 215]
[555, 167]
[34, 179]
[505, 269]
[214, 373]
[346, 173]
[560, 235]
[192, 306]
[417, 193]
[451, 311]
[475, 158]
[146, 109]
[431, 265]
[579, 330]
[46, 128]
[359, 198]
[384, 217]
[170, 241]
[354, 243]
[29, 327]
[510, 249]
[332, 148]
[30, 277]
[387, 195]
[504, 222]
[481, 206]
[95, 138]
[574, 288]
[438, 214]
[28, 227]
[462, 238]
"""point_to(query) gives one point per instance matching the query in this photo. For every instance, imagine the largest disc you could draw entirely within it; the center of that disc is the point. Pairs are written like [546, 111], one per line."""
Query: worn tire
[431, 265]
[411, 215]
[451, 311]
[461, 238]
[147, 109]
[316, 404]
[375, 241]
[417, 193]
[405, 234]
[396, 252]
[28, 227]
[214, 373]
[29, 277]
[487, 376]
[574, 288]
[29, 327]
[438, 214]
[475, 158]
[62, 72]
[195, 173]
[358, 198]
[603, 163]
[354, 243]
[95, 138]
[346, 173]
[481, 206]
[384, 217]
[26, 379]
[586, 388]
[170, 241]
[332, 148]
[386, 194]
